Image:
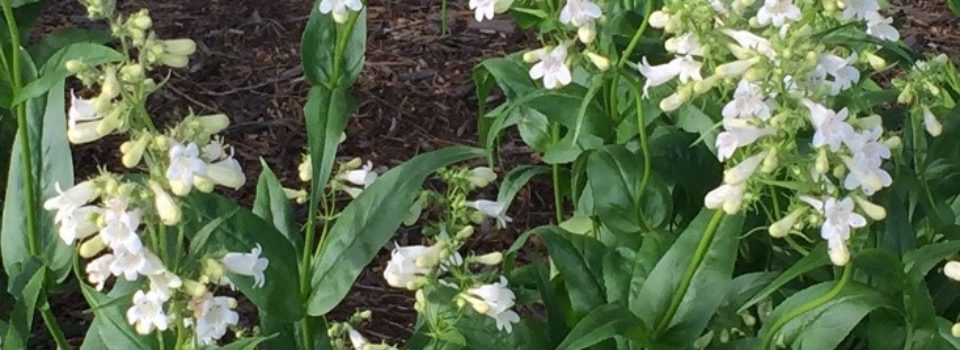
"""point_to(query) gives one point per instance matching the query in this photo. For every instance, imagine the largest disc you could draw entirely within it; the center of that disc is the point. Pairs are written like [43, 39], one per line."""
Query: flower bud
[502, 6]
[465, 233]
[227, 173]
[659, 19]
[872, 210]
[533, 56]
[955, 330]
[76, 66]
[675, 100]
[702, 86]
[174, 61]
[755, 74]
[602, 63]
[92, 247]
[736, 68]
[354, 163]
[906, 96]
[110, 87]
[480, 177]
[213, 269]
[876, 62]
[931, 123]
[933, 89]
[839, 254]
[782, 227]
[193, 288]
[141, 20]
[133, 73]
[133, 151]
[203, 184]
[300, 196]
[83, 133]
[340, 17]
[214, 123]
[952, 270]
[180, 47]
[744, 170]
[748, 319]
[587, 34]
[167, 208]
[771, 161]
[823, 162]
[305, 170]
[490, 259]
[893, 142]
[179, 188]
[478, 305]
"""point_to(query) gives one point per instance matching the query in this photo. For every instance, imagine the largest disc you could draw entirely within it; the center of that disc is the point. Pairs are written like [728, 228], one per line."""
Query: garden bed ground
[416, 94]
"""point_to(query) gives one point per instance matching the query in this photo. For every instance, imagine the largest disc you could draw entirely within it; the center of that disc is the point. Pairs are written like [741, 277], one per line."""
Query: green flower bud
[133, 73]
[180, 47]
[76, 66]
[92, 247]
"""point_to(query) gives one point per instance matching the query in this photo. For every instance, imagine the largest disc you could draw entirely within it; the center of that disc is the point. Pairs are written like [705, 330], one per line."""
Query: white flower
[480, 177]
[402, 270]
[356, 339]
[866, 175]
[868, 146]
[749, 41]
[882, 27]
[738, 133]
[364, 177]
[685, 68]
[168, 209]
[147, 314]
[185, 164]
[120, 226]
[82, 120]
[552, 68]
[748, 101]
[494, 300]
[931, 123]
[216, 150]
[340, 8]
[491, 209]
[76, 223]
[842, 70]
[580, 13]
[685, 44]
[164, 283]
[248, 264]
[778, 12]
[227, 173]
[831, 126]
[839, 217]
[728, 197]
[860, 9]
[74, 197]
[213, 316]
[130, 264]
[98, 270]
[744, 170]
[952, 270]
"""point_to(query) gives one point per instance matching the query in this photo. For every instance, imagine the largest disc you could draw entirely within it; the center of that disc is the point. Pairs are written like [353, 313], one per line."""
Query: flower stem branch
[832, 293]
[692, 268]
[557, 198]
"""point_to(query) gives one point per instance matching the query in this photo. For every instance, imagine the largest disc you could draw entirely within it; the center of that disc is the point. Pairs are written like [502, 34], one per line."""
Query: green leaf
[917, 263]
[26, 289]
[369, 222]
[243, 344]
[693, 120]
[272, 205]
[55, 71]
[516, 179]
[241, 231]
[710, 258]
[601, 324]
[53, 42]
[326, 114]
[815, 259]
[826, 325]
[317, 49]
[53, 163]
[579, 259]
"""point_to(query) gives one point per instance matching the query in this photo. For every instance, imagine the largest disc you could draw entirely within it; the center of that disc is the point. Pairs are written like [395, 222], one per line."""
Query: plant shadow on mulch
[416, 95]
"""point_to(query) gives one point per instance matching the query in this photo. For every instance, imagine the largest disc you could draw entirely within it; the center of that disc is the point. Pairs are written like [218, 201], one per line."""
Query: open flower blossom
[866, 175]
[552, 67]
[213, 316]
[77, 196]
[494, 300]
[686, 44]
[340, 8]
[747, 41]
[583, 15]
[748, 101]
[778, 12]
[98, 270]
[839, 218]
[859, 9]
[164, 283]
[685, 68]
[82, 120]
[363, 177]
[403, 269]
[738, 133]
[842, 71]
[882, 27]
[248, 264]
[831, 127]
[185, 165]
[727, 197]
[485, 9]
[120, 225]
[493, 209]
[147, 313]
[76, 223]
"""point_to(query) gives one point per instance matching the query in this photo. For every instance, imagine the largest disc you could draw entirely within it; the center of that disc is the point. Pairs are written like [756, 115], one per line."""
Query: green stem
[692, 268]
[52, 325]
[343, 38]
[844, 279]
[615, 82]
[557, 199]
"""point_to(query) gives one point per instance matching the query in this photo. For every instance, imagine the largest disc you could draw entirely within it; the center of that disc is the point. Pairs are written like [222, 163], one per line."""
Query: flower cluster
[784, 84]
[440, 266]
[551, 64]
[120, 221]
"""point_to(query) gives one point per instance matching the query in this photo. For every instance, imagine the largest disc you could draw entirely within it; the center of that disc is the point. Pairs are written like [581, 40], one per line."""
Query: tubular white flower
[839, 218]
[185, 163]
[168, 209]
[98, 270]
[831, 127]
[213, 316]
[882, 27]
[361, 177]
[91, 247]
[952, 270]
[491, 209]
[659, 19]
[844, 73]
[357, 340]
[495, 301]
[76, 196]
[147, 314]
[728, 197]
[340, 8]
[872, 210]
[778, 12]
[736, 68]
[685, 44]
[133, 151]
[930, 122]
[866, 175]
[744, 170]
[859, 9]
[583, 15]
[403, 271]
[120, 225]
[749, 41]
[164, 283]
[227, 173]
[748, 101]
[552, 68]
[685, 68]
[248, 264]
[782, 227]
[675, 100]
[738, 133]
[76, 223]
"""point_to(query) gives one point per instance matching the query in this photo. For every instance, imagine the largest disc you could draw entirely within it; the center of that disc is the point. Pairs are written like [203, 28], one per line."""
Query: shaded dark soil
[416, 94]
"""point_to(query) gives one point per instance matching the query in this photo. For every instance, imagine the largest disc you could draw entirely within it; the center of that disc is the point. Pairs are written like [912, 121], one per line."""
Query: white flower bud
[305, 170]
[955, 330]
[179, 188]
[602, 63]
[214, 123]
[876, 62]
[702, 86]
[675, 100]
[771, 161]
[823, 163]
[109, 123]
[133, 73]
[480, 177]
[659, 19]
[490, 259]
[952, 270]
[227, 173]
[300, 196]
[92, 247]
[110, 87]
[872, 210]
[736, 68]
[174, 61]
[782, 227]
[167, 208]
[76, 66]
[893, 142]
[906, 96]
[180, 47]
[194, 289]
[743, 171]
[587, 34]
[133, 151]
[533, 56]
[465, 233]
[931, 123]
[840, 255]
